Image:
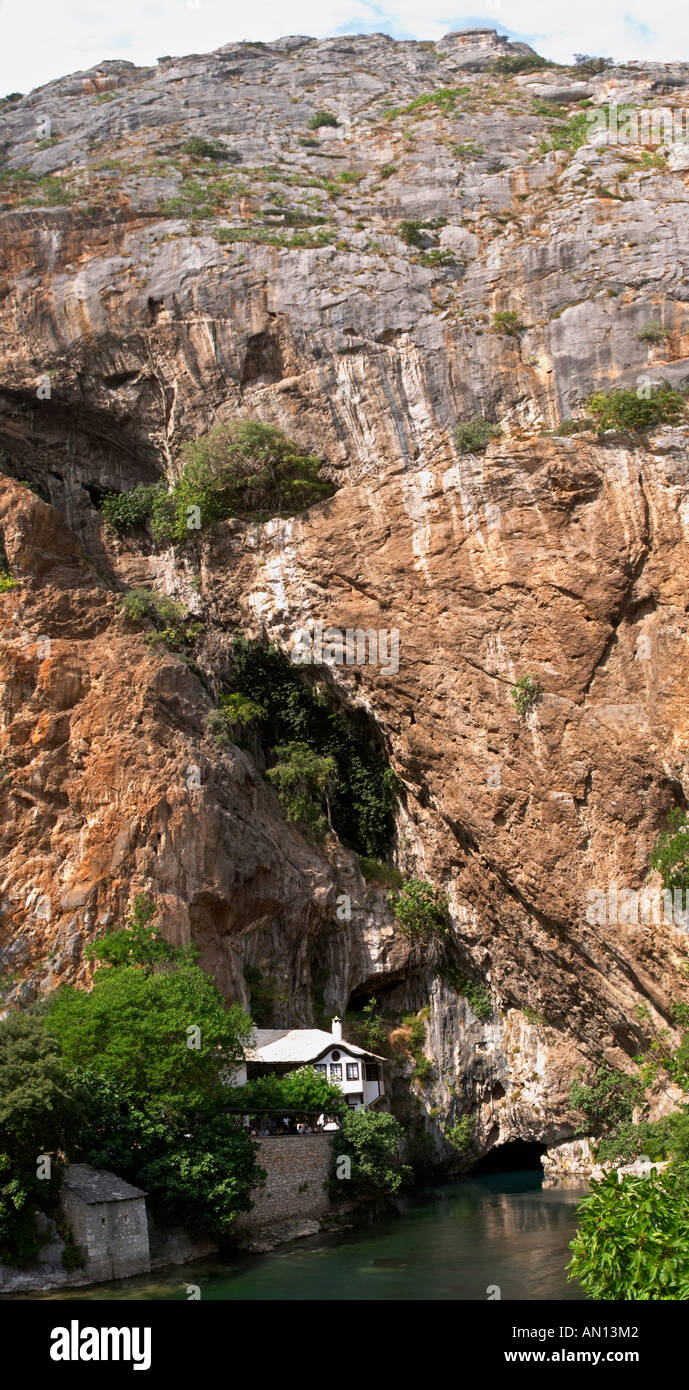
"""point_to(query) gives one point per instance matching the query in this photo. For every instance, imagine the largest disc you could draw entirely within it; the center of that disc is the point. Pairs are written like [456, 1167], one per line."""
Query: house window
[320, 1067]
[352, 1071]
[336, 1071]
[372, 1071]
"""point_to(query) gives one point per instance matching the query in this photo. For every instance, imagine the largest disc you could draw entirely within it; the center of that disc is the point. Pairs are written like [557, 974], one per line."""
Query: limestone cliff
[150, 291]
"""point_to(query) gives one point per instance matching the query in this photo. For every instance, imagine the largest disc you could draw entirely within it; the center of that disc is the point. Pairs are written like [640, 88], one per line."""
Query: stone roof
[300, 1045]
[93, 1185]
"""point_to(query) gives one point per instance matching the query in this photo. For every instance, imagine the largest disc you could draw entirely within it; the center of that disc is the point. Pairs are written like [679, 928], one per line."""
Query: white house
[357, 1072]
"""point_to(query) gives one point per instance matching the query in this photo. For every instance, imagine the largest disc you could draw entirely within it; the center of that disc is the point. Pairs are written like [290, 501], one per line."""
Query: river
[500, 1231]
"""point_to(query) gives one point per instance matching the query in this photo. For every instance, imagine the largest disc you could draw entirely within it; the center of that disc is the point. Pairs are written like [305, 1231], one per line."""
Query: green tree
[302, 1089]
[38, 1111]
[632, 1240]
[371, 1140]
[134, 1028]
[137, 943]
[670, 854]
[421, 912]
[304, 782]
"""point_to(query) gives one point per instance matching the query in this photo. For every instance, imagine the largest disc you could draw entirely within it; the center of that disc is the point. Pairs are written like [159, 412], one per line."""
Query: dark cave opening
[517, 1156]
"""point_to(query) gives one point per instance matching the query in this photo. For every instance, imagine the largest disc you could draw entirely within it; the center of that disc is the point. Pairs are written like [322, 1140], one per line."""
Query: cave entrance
[517, 1156]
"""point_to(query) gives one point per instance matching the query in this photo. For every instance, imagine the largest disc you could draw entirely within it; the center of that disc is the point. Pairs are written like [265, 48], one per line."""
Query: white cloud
[43, 39]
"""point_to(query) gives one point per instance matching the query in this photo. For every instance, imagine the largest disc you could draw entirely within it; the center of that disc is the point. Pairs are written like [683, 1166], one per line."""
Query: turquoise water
[450, 1242]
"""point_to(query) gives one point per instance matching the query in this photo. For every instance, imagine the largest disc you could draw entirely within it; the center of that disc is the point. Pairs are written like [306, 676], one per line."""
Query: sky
[44, 39]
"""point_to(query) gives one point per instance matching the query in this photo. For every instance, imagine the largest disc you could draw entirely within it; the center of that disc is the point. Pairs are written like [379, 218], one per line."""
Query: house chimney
[337, 1029]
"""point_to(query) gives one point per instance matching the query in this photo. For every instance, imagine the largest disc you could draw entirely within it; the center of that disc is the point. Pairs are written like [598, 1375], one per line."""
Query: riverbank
[501, 1232]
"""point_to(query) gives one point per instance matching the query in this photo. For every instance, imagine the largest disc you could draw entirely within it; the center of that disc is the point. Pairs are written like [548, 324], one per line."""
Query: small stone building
[108, 1221]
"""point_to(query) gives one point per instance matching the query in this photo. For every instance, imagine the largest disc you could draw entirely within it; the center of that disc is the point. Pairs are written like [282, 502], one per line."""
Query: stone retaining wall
[296, 1167]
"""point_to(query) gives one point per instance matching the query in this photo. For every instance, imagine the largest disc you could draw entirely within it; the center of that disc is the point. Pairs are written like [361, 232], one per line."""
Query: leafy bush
[388, 170]
[476, 994]
[410, 232]
[461, 1134]
[7, 581]
[567, 427]
[420, 911]
[303, 1089]
[519, 62]
[233, 710]
[125, 511]
[304, 781]
[525, 693]
[370, 1026]
[205, 149]
[607, 1102]
[371, 1140]
[474, 436]
[653, 333]
[382, 874]
[365, 789]
[323, 118]
[173, 625]
[138, 942]
[587, 66]
[632, 1241]
[243, 468]
[438, 256]
[626, 410]
[670, 854]
[507, 322]
[444, 98]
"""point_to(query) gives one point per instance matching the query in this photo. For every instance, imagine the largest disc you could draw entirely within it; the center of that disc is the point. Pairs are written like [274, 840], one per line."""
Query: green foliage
[7, 581]
[133, 1029]
[323, 118]
[568, 427]
[632, 1241]
[126, 511]
[519, 62]
[507, 322]
[626, 410]
[303, 239]
[587, 66]
[137, 943]
[461, 1134]
[410, 232]
[468, 149]
[173, 625]
[388, 170]
[244, 468]
[233, 710]
[525, 693]
[420, 911]
[304, 781]
[205, 149]
[370, 1027]
[364, 794]
[653, 333]
[474, 436]
[196, 1167]
[476, 994]
[423, 1069]
[371, 1140]
[568, 135]
[383, 875]
[670, 854]
[438, 257]
[608, 1101]
[533, 1017]
[304, 1089]
[443, 99]
[264, 994]
[37, 1110]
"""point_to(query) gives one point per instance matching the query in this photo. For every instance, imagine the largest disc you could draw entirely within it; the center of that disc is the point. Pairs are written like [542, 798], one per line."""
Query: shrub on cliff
[173, 625]
[421, 912]
[474, 436]
[632, 1241]
[322, 118]
[303, 1089]
[519, 62]
[670, 854]
[627, 410]
[244, 468]
[370, 1141]
[364, 793]
[305, 783]
[525, 692]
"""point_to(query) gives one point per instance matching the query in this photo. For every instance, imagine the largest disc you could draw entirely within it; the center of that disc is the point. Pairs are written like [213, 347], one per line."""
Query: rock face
[149, 291]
